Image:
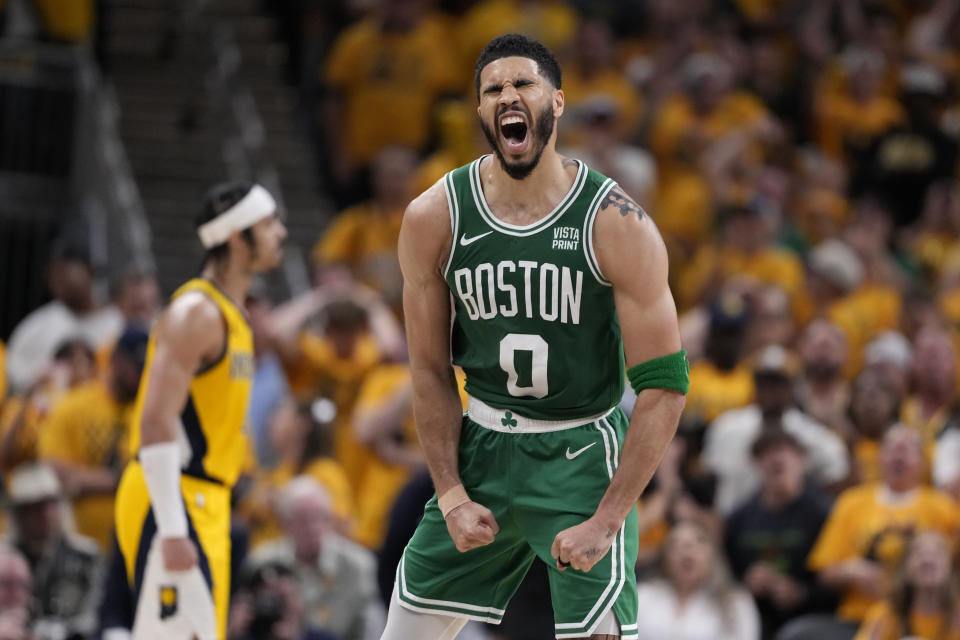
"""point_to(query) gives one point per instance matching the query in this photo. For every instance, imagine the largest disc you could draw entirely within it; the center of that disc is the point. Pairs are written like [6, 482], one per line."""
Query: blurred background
[799, 157]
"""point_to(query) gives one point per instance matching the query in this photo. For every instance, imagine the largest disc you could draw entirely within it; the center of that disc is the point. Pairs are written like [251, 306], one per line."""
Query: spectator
[597, 117]
[923, 602]
[72, 312]
[336, 577]
[680, 490]
[363, 239]
[301, 435]
[768, 538]
[930, 407]
[84, 438]
[855, 110]
[771, 321]
[21, 416]
[385, 63]
[357, 331]
[271, 608]
[874, 409]
[822, 391]
[693, 597]
[891, 352]
[137, 296]
[742, 253]
[909, 156]
[865, 534]
[67, 568]
[721, 381]
[729, 438]
[15, 588]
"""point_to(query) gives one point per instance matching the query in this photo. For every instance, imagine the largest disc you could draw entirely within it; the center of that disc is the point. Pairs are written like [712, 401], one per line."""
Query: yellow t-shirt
[551, 22]
[713, 391]
[771, 265]
[381, 482]
[677, 121]
[863, 525]
[389, 82]
[883, 623]
[928, 428]
[88, 427]
[364, 238]
[861, 316]
[25, 441]
[322, 372]
[844, 124]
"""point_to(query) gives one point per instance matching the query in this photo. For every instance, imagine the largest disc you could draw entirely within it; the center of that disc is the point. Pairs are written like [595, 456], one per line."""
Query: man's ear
[558, 102]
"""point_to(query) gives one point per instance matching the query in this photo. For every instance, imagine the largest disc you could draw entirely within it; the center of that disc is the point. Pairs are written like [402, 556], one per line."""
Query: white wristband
[161, 468]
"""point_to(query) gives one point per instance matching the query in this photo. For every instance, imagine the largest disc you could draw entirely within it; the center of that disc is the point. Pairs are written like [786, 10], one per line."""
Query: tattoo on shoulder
[622, 202]
[570, 162]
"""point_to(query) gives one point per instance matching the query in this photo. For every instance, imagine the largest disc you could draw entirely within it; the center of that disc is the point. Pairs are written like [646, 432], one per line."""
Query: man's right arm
[423, 249]
[189, 335]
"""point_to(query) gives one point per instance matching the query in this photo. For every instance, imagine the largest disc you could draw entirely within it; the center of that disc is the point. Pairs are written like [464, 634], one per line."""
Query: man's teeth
[511, 120]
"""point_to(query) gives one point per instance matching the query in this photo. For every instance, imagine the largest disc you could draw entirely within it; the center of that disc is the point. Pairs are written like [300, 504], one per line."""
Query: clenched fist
[582, 546]
[471, 525]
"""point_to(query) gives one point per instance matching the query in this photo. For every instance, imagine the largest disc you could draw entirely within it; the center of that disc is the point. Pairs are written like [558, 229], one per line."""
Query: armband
[161, 468]
[451, 499]
[666, 372]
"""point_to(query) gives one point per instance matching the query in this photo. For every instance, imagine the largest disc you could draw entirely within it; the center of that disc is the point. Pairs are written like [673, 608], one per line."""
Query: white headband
[254, 207]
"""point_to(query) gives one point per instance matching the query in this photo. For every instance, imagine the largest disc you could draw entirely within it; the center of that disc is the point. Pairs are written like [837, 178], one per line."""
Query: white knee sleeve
[403, 624]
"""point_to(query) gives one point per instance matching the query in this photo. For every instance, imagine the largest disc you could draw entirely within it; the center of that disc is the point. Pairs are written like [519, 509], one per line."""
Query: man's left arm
[632, 256]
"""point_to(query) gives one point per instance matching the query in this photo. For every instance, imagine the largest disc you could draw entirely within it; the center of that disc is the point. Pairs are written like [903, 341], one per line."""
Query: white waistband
[509, 422]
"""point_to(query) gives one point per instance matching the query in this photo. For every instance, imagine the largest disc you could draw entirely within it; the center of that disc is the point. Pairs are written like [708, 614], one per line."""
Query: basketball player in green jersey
[559, 282]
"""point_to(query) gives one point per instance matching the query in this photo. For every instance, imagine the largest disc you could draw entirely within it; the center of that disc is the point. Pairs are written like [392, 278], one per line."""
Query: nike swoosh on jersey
[464, 240]
[571, 456]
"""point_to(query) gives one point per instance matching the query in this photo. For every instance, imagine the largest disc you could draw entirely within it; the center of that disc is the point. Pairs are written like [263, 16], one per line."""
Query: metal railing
[63, 171]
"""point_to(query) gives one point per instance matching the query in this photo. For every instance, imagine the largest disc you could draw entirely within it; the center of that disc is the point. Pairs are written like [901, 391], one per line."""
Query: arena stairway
[209, 108]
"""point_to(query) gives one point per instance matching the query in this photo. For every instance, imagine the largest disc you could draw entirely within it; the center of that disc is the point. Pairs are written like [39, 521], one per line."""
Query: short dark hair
[772, 438]
[516, 44]
[218, 199]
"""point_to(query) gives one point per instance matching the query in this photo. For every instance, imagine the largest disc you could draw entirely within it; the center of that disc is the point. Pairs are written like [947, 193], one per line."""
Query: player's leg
[573, 470]
[402, 624]
[180, 604]
[433, 577]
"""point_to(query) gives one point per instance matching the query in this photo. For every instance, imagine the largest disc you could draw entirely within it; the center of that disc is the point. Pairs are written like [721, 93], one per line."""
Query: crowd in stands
[800, 159]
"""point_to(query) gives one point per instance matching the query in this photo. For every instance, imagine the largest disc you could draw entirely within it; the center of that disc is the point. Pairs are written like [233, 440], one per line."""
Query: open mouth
[513, 130]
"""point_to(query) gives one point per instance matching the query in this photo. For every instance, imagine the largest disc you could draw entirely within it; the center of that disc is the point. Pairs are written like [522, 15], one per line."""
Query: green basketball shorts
[538, 478]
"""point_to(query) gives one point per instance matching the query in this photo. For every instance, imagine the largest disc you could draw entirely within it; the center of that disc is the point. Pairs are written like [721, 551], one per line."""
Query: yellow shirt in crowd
[88, 427]
[381, 481]
[389, 82]
[322, 372]
[863, 524]
[883, 623]
[551, 22]
[713, 391]
[770, 265]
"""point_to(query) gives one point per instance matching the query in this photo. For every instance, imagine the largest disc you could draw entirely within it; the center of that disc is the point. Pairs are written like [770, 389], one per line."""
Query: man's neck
[233, 281]
[526, 201]
[775, 500]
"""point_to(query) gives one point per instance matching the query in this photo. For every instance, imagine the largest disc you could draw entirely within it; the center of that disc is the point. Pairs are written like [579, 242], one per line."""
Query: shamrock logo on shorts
[508, 420]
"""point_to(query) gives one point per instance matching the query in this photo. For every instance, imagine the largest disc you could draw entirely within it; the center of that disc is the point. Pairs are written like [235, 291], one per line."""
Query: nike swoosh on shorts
[571, 456]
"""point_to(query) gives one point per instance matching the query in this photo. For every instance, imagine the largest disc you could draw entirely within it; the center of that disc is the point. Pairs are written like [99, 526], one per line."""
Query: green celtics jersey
[535, 328]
